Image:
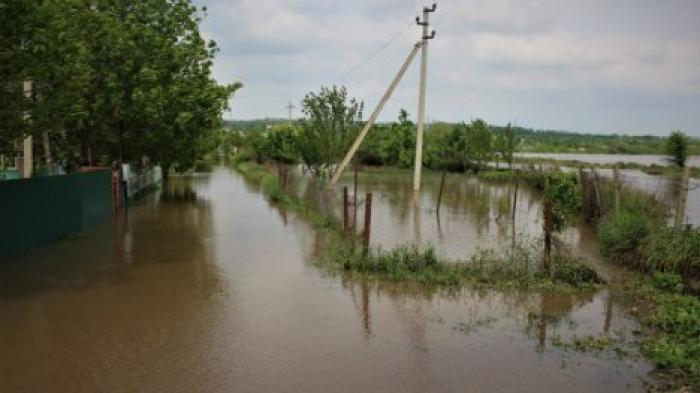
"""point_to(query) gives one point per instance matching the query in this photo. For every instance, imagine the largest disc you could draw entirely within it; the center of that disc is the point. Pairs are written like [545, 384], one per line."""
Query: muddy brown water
[207, 287]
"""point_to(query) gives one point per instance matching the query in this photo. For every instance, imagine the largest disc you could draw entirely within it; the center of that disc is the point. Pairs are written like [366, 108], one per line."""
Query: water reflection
[214, 292]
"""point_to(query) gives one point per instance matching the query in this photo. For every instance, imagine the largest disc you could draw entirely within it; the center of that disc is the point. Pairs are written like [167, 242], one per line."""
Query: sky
[600, 66]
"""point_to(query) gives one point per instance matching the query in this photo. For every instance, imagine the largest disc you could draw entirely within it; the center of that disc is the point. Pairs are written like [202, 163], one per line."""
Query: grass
[671, 319]
[649, 245]
[517, 268]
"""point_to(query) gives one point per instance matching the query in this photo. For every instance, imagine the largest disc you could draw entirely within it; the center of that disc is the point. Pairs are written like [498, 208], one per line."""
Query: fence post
[548, 228]
[368, 218]
[515, 206]
[682, 198]
[617, 186]
[354, 200]
[442, 185]
[345, 208]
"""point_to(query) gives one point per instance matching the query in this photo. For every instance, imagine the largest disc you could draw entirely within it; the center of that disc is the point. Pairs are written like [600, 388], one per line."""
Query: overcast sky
[604, 66]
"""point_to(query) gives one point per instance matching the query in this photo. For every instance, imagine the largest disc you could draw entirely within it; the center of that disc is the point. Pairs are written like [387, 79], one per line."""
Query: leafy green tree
[399, 147]
[562, 191]
[479, 142]
[331, 123]
[122, 79]
[677, 148]
[506, 144]
[280, 145]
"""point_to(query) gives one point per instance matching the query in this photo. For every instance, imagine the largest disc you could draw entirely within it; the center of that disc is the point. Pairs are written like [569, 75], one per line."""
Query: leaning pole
[375, 114]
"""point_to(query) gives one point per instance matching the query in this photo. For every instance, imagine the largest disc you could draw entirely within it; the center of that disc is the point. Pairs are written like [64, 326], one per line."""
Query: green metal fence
[40, 210]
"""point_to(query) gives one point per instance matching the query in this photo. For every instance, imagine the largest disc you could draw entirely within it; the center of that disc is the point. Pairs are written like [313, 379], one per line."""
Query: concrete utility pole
[290, 107]
[375, 114]
[421, 97]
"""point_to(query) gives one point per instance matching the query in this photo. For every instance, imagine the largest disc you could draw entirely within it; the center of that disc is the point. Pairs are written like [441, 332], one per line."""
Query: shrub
[620, 235]
[673, 250]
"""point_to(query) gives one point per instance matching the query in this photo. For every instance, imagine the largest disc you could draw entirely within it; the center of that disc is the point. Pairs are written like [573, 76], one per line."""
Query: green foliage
[677, 148]
[280, 144]
[668, 282]
[331, 122]
[506, 143]
[393, 144]
[620, 234]
[676, 345]
[563, 192]
[671, 249]
[119, 79]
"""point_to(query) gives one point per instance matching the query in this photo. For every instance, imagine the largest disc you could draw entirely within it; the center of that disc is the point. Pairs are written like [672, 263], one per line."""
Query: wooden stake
[345, 208]
[368, 218]
[682, 198]
[617, 186]
[442, 185]
[548, 228]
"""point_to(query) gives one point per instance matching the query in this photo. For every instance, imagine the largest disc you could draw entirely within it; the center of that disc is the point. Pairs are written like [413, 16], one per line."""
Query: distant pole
[421, 95]
[290, 107]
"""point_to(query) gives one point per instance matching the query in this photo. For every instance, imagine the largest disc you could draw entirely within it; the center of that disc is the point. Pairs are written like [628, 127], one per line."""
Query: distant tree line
[332, 121]
[111, 80]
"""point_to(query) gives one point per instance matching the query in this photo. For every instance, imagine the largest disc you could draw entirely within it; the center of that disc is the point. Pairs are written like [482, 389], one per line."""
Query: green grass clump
[485, 269]
[620, 235]
[676, 345]
[648, 244]
[673, 250]
[496, 175]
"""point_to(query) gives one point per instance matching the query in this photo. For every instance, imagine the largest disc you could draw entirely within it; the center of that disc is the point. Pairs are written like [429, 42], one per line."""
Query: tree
[122, 79]
[331, 123]
[479, 142]
[399, 147]
[506, 143]
[677, 148]
[279, 145]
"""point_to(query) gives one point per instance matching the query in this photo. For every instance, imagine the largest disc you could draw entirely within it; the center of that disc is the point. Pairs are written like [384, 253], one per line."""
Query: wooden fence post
[617, 186]
[548, 228]
[345, 208]
[681, 204]
[354, 200]
[442, 185]
[515, 207]
[368, 218]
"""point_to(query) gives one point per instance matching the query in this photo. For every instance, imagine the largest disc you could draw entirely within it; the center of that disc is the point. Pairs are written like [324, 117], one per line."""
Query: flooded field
[641, 159]
[205, 286]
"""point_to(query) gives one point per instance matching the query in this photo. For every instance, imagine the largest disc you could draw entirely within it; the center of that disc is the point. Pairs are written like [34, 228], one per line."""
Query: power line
[373, 54]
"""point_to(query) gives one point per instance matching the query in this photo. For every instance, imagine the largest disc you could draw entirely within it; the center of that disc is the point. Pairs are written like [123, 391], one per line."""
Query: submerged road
[206, 287]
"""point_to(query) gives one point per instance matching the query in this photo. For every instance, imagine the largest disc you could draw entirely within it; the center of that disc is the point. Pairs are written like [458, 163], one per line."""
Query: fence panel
[40, 210]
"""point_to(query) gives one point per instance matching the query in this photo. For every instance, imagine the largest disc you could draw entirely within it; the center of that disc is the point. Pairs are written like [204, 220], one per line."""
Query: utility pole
[375, 114]
[290, 107]
[421, 97]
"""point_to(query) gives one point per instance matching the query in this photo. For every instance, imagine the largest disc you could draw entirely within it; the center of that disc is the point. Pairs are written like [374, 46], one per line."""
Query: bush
[668, 282]
[620, 235]
[673, 250]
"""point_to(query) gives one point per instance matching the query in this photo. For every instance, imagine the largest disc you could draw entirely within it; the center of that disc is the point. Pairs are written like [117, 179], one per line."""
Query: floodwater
[641, 159]
[207, 287]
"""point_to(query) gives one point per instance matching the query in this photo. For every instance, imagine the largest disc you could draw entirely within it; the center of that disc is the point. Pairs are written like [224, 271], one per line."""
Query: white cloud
[643, 55]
